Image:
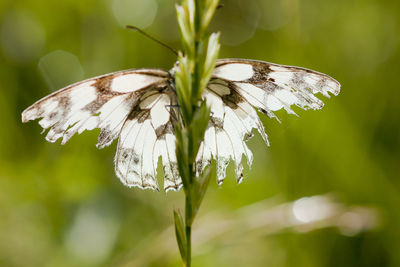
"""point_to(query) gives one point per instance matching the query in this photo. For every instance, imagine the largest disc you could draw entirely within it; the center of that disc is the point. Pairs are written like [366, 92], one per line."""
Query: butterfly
[140, 107]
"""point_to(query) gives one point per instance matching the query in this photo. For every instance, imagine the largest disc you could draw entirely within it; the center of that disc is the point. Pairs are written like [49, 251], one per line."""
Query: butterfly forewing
[101, 102]
[270, 87]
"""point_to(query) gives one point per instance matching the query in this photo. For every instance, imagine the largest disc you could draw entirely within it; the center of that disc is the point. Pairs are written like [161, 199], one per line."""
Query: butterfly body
[140, 108]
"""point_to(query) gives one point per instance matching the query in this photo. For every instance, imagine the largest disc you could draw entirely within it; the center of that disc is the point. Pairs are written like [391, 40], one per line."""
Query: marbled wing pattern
[130, 105]
[141, 108]
[236, 88]
[148, 133]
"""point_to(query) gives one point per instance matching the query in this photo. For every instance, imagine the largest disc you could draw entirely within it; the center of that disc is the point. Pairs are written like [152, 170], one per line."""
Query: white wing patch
[234, 72]
[132, 82]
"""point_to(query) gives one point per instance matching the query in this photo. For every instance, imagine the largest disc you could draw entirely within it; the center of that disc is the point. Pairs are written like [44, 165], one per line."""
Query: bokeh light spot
[309, 209]
[273, 15]
[22, 37]
[140, 13]
[93, 233]
[60, 68]
[237, 21]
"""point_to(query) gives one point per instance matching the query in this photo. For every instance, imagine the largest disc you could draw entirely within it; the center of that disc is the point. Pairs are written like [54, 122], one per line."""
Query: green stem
[195, 86]
[189, 246]
[190, 77]
[188, 229]
[188, 225]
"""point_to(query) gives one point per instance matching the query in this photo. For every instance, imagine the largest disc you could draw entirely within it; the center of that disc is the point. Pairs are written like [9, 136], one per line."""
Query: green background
[325, 193]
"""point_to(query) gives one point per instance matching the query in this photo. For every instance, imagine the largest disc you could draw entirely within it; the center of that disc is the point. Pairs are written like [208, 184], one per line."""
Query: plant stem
[188, 226]
[188, 244]
[195, 66]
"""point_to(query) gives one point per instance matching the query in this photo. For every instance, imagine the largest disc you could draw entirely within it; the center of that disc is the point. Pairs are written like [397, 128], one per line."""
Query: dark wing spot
[64, 104]
[103, 84]
[140, 114]
[233, 99]
[269, 86]
[217, 123]
[321, 84]
[261, 71]
[52, 115]
[144, 115]
[162, 130]
[95, 105]
[298, 80]
[104, 94]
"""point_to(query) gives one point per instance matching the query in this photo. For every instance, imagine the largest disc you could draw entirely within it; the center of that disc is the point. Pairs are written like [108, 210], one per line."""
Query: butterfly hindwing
[147, 134]
[229, 126]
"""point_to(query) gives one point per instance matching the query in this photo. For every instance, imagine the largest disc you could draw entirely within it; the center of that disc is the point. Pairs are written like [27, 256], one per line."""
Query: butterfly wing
[239, 85]
[120, 104]
[140, 107]
[148, 133]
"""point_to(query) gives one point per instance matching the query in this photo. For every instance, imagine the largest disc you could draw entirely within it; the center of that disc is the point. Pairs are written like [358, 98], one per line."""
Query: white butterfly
[141, 107]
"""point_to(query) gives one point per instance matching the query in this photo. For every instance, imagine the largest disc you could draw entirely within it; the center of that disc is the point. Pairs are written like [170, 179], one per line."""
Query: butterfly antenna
[151, 37]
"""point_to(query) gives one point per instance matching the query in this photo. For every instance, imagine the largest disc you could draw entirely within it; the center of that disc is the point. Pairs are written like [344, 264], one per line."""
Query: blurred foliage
[64, 206]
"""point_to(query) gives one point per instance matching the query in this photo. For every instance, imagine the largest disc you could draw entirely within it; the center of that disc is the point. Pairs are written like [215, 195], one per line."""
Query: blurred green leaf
[200, 188]
[180, 234]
